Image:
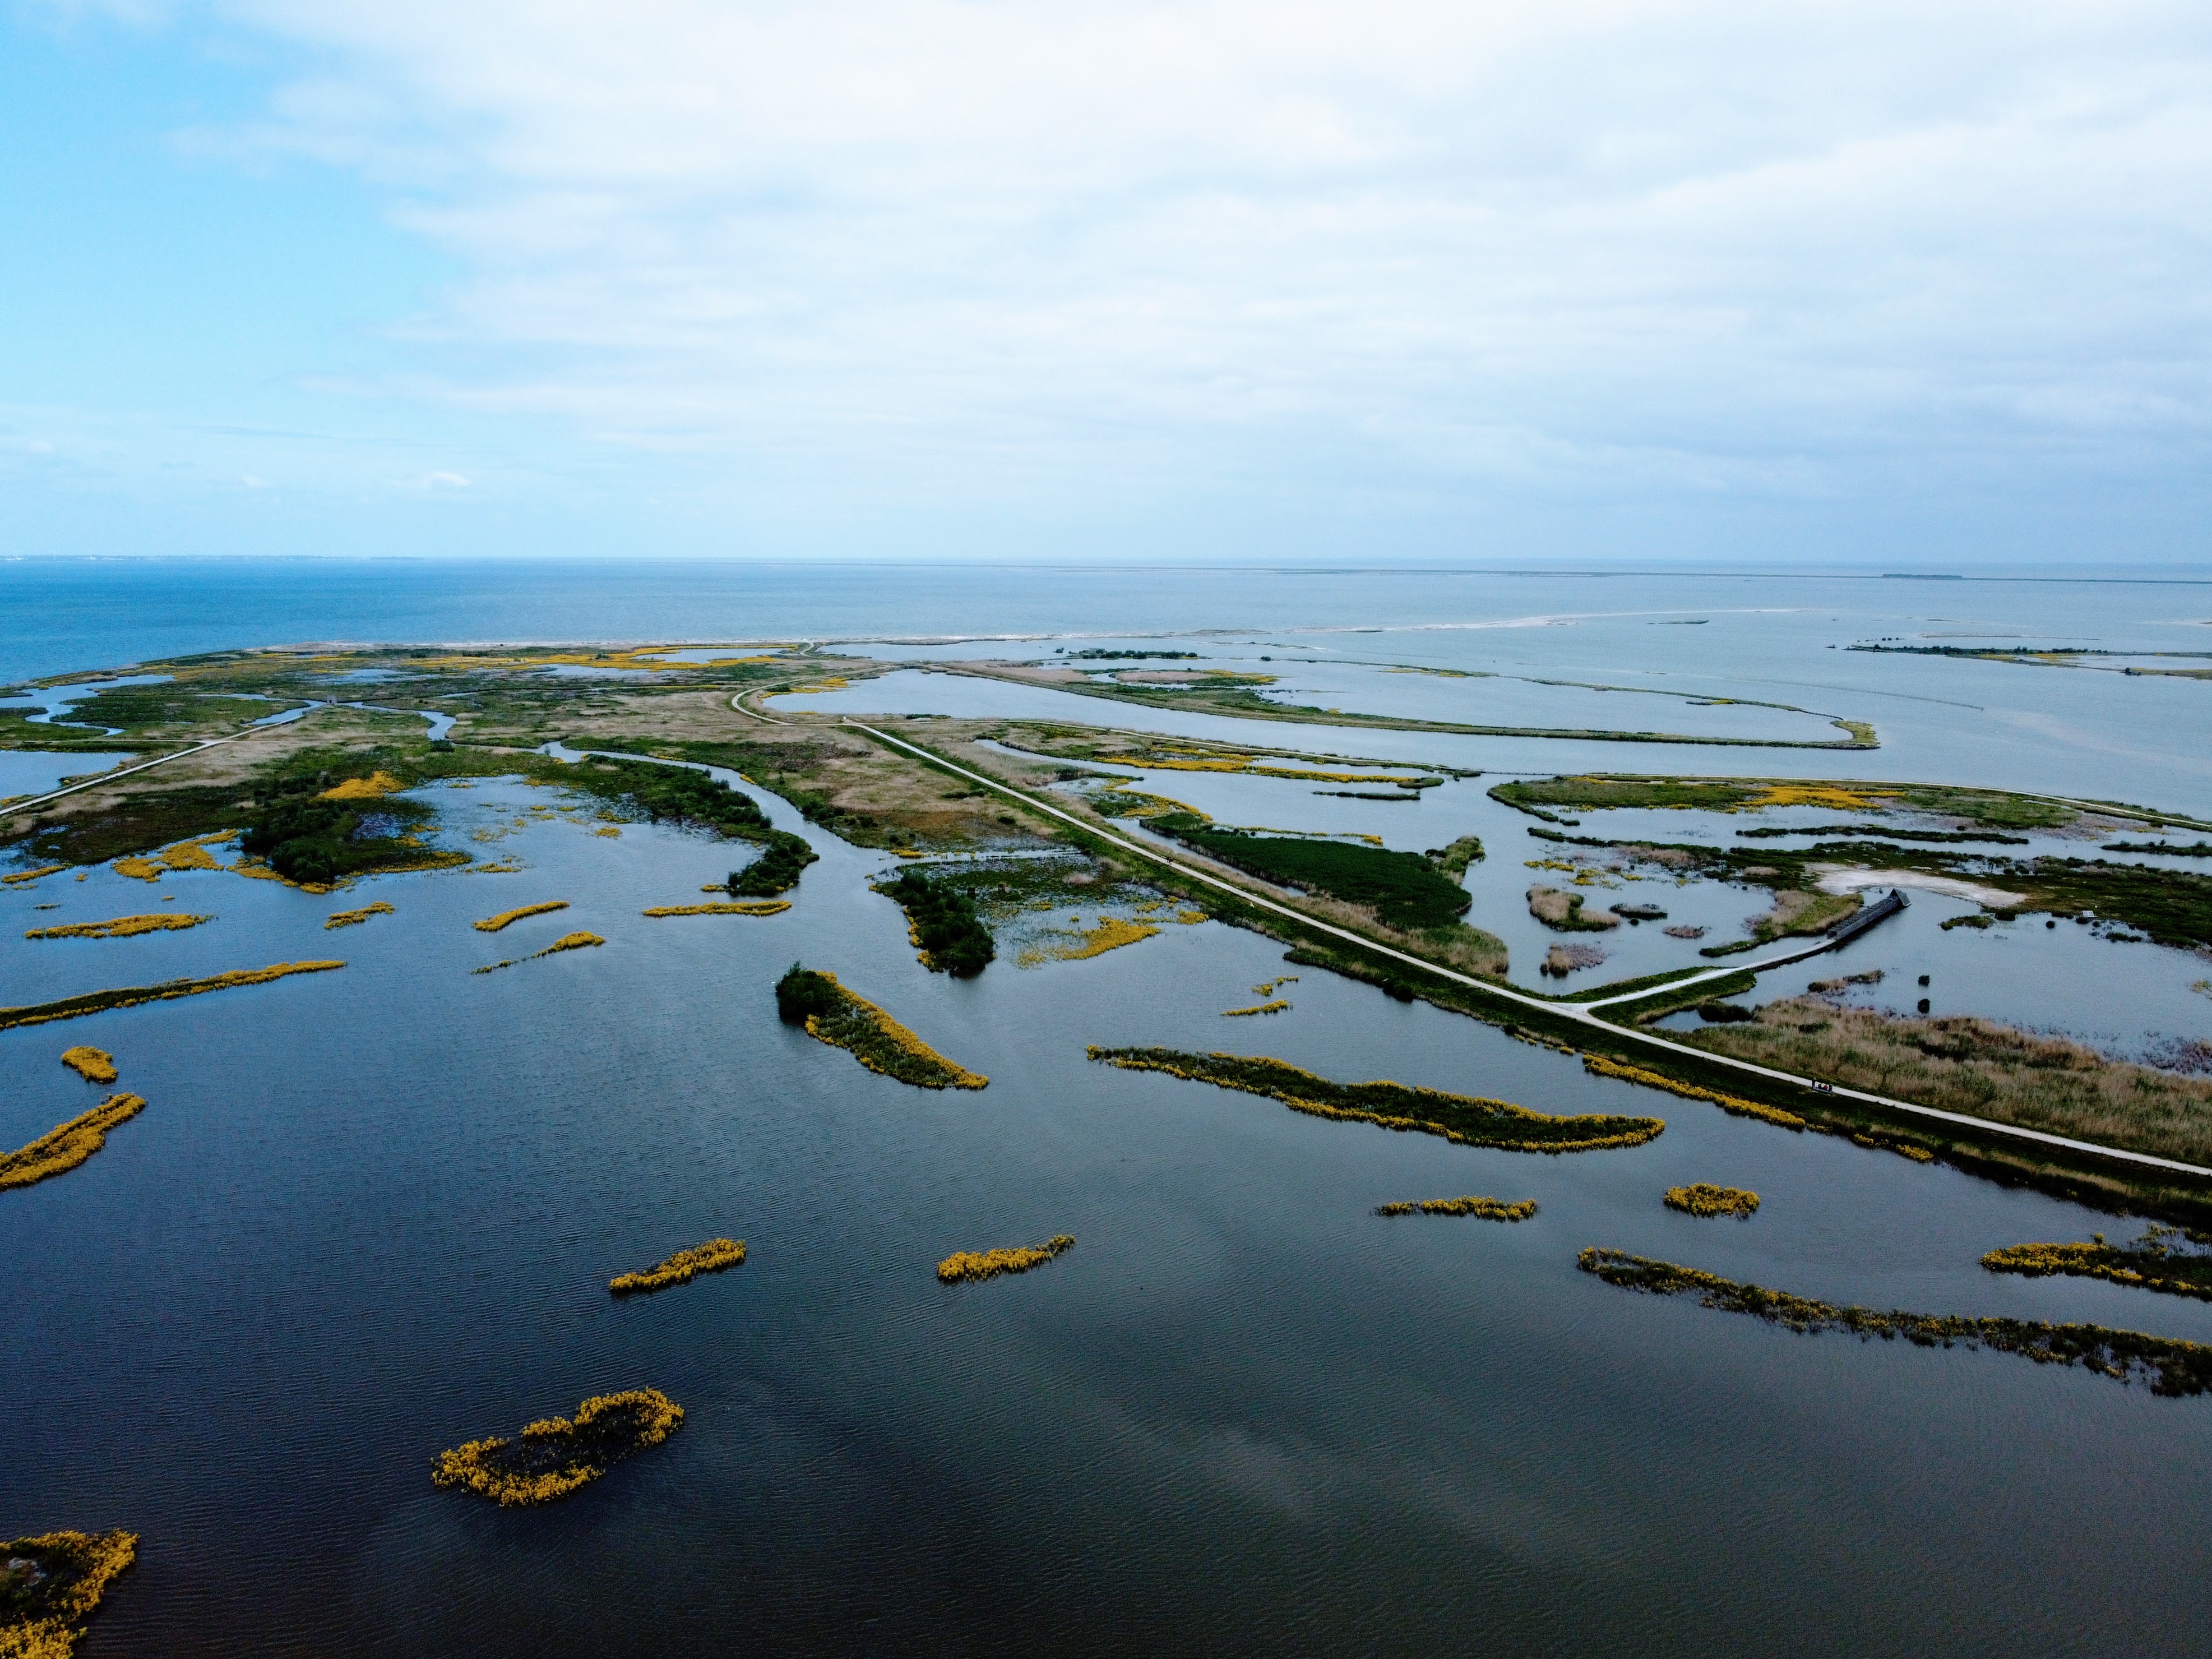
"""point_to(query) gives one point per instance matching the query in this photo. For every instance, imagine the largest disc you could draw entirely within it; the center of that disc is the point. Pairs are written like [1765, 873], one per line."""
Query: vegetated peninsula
[1960, 1063]
[2169, 1260]
[59, 1150]
[1468, 1119]
[2171, 1366]
[833, 1014]
[51, 1584]
[553, 1458]
[943, 924]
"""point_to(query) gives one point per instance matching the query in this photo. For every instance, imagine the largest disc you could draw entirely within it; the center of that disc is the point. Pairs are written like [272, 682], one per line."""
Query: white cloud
[1681, 247]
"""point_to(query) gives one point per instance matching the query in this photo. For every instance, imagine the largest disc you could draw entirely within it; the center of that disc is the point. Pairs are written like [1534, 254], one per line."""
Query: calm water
[369, 1214]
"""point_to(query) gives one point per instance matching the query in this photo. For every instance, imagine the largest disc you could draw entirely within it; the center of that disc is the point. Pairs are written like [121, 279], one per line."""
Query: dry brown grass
[1960, 1063]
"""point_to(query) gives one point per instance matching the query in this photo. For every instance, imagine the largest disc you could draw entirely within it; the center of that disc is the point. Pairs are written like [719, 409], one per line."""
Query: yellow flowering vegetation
[493, 924]
[374, 785]
[1902, 1148]
[25, 877]
[50, 1584]
[1486, 1209]
[835, 1016]
[576, 941]
[129, 996]
[1704, 1200]
[963, 1264]
[1818, 794]
[1274, 1007]
[681, 1269]
[1600, 1066]
[735, 908]
[1111, 933]
[191, 854]
[93, 1065]
[552, 1458]
[354, 918]
[59, 1150]
[2154, 1263]
[1466, 1120]
[120, 927]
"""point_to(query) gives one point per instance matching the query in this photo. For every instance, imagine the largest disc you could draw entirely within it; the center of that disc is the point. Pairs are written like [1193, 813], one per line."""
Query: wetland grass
[93, 1002]
[733, 908]
[1483, 1209]
[93, 1065]
[507, 918]
[1467, 1120]
[966, 1264]
[2171, 1366]
[2151, 1263]
[1961, 1063]
[833, 1014]
[59, 1150]
[1406, 890]
[1275, 1007]
[51, 1582]
[1111, 933]
[121, 927]
[576, 941]
[555, 1457]
[354, 918]
[712, 1257]
[1705, 1201]
[25, 877]
[1600, 1066]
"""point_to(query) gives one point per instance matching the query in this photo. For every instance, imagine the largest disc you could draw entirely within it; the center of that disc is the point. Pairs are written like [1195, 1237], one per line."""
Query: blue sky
[1615, 280]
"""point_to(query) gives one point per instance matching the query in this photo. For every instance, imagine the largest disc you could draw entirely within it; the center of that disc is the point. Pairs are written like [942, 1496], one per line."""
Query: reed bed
[354, 918]
[833, 1014]
[59, 1150]
[51, 1584]
[25, 877]
[93, 1065]
[1467, 1120]
[555, 1457]
[1275, 1007]
[1599, 1066]
[2152, 1263]
[1704, 1200]
[1961, 1063]
[166, 921]
[576, 941]
[1111, 933]
[731, 908]
[191, 854]
[966, 1264]
[712, 1257]
[509, 918]
[1484, 1209]
[2170, 1366]
[93, 1002]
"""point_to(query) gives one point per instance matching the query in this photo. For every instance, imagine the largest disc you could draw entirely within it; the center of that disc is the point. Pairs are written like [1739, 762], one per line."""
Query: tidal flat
[405, 1226]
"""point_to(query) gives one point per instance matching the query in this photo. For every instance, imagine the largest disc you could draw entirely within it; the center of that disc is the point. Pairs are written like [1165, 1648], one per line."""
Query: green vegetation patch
[943, 924]
[2171, 1366]
[1961, 1063]
[833, 1014]
[1453, 860]
[50, 1583]
[1406, 890]
[314, 841]
[1470, 1120]
[688, 796]
[1597, 793]
[2163, 1260]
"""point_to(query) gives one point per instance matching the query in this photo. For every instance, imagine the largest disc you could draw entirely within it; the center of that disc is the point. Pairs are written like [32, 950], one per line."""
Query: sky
[1623, 281]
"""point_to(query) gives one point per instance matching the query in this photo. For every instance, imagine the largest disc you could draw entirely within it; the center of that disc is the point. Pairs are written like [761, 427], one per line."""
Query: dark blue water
[371, 1213]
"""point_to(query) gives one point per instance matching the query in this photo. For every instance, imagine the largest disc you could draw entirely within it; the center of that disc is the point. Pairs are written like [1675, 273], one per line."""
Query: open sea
[370, 1215]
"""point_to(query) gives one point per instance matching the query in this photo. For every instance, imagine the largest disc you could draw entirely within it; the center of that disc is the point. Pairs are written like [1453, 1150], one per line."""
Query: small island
[1704, 1200]
[51, 1584]
[712, 1257]
[832, 1014]
[965, 1265]
[556, 1456]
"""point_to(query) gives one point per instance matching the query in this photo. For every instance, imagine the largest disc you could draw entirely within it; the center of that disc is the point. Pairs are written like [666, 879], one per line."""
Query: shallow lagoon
[1242, 1413]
